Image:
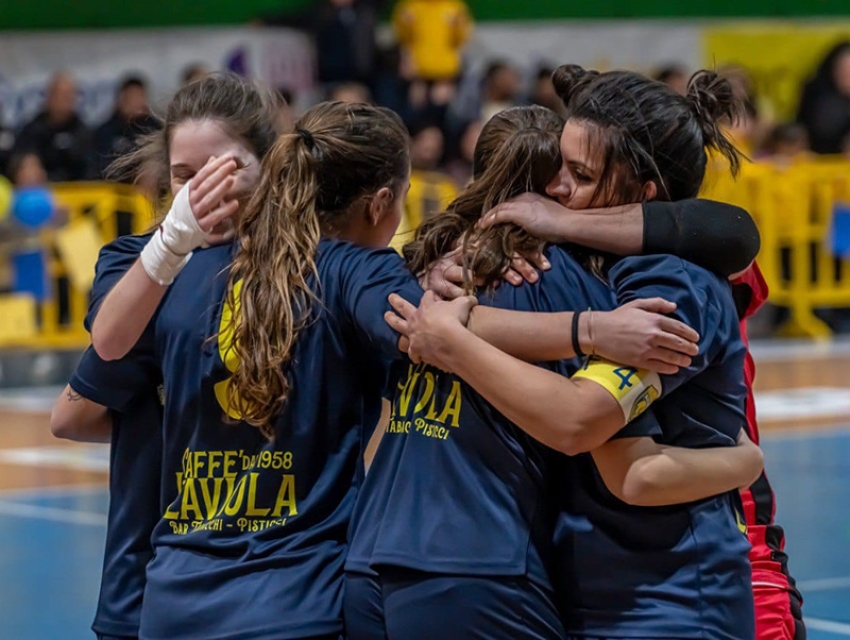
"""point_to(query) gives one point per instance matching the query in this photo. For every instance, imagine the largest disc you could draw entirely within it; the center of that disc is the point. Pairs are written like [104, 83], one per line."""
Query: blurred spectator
[460, 166]
[746, 133]
[58, 136]
[432, 34]
[760, 110]
[786, 143]
[825, 102]
[131, 118]
[286, 95]
[388, 87]
[344, 32]
[675, 76]
[7, 145]
[351, 92]
[26, 170]
[287, 112]
[426, 146]
[194, 71]
[431, 191]
[345, 40]
[543, 91]
[501, 89]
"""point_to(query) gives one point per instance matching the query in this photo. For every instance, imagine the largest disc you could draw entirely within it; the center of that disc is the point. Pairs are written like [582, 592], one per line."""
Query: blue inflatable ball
[33, 206]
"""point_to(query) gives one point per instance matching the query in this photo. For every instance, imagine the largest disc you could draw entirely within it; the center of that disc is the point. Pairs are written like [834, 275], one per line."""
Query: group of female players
[241, 352]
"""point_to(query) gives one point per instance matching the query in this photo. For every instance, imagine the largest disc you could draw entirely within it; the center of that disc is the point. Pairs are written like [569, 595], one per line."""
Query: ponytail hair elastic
[306, 136]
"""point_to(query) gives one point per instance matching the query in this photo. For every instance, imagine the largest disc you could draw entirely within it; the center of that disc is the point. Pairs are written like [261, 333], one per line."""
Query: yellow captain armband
[634, 389]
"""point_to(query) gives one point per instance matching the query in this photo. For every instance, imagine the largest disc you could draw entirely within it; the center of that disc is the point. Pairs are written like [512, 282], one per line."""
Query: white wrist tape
[159, 262]
[180, 230]
[171, 246]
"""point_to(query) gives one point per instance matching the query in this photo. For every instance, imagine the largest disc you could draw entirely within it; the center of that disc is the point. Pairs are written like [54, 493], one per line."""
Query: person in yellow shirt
[432, 34]
[431, 190]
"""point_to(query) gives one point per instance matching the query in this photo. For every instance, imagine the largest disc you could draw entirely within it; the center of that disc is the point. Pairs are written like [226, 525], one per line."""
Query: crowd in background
[822, 121]
[421, 75]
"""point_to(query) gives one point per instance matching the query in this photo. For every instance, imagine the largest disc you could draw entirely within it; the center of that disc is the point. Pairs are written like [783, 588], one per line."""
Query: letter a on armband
[634, 389]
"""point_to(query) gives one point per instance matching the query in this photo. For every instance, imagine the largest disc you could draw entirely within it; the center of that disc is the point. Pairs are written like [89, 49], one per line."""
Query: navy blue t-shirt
[679, 571]
[455, 487]
[136, 500]
[254, 543]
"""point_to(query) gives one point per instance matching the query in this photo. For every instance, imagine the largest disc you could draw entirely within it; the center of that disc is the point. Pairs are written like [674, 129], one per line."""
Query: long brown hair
[312, 181]
[518, 151]
[246, 110]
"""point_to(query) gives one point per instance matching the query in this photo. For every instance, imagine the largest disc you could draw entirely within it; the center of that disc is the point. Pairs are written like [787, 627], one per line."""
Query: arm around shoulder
[642, 473]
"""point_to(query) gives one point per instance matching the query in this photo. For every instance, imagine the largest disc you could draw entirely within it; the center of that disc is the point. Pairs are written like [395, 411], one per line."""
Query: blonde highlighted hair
[313, 180]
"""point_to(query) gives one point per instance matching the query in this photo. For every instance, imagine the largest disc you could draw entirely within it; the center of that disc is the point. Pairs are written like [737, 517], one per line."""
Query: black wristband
[574, 336]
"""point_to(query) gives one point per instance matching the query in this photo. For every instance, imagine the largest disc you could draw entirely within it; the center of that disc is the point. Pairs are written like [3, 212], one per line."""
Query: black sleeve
[26, 141]
[719, 237]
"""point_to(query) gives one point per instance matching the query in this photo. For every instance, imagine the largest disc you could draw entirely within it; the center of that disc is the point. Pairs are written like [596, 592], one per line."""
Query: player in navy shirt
[99, 404]
[660, 555]
[261, 521]
[104, 400]
[455, 521]
[254, 543]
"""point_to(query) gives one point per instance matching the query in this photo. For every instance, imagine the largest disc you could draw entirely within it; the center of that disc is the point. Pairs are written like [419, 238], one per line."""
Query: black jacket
[117, 136]
[65, 150]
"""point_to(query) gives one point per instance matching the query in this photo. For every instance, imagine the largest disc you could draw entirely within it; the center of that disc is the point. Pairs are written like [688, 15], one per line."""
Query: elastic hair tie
[306, 136]
[574, 331]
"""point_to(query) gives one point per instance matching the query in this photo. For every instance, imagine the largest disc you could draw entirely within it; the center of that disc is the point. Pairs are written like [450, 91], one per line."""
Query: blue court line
[829, 626]
[829, 430]
[823, 584]
[71, 516]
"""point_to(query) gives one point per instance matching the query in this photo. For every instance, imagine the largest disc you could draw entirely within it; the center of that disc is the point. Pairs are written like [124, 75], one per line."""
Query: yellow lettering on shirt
[433, 409]
[286, 497]
[252, 509]
[190, 501]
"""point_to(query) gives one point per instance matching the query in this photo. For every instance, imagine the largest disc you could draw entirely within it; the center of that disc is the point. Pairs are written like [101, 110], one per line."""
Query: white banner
[100, 59]
[595, 44]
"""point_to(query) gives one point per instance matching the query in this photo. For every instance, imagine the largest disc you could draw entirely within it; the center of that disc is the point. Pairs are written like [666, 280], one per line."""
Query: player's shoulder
[566, 284]
[117, 257]
[668, 267]
[124, 249]
[126, 245]
[342, 266]
[560, 256]
[335, 252]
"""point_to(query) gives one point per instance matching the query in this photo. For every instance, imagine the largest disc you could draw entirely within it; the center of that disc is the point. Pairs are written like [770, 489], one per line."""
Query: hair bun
[569, 78]
[713, 98]
[714, 101]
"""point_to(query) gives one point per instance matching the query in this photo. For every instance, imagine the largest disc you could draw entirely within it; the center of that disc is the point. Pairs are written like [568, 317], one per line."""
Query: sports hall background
[96, 68]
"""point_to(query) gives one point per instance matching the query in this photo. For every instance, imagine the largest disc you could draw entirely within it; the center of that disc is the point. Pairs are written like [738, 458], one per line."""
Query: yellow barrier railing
[793, 207]
[96, 214]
